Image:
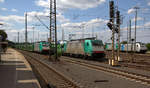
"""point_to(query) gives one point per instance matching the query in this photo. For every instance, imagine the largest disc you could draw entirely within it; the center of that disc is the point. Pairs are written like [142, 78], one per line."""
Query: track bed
[88, 77]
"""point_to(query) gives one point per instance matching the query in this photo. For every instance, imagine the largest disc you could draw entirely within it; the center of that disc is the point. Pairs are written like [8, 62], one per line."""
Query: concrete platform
[15, 71]
[148, 52]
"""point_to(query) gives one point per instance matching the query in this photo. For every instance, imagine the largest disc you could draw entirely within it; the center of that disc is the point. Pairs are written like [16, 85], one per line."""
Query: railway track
[143, 54]
[141, 59]
[147, 54]
[143, 79]
[136, 66]
[139, 63]
[54, 79]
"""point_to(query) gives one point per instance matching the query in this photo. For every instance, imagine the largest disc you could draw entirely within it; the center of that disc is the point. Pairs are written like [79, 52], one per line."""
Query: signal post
[114, 28]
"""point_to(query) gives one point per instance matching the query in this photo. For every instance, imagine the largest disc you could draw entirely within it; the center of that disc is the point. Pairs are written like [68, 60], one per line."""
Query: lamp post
[33, 34]
[82, 26]
[0, 45]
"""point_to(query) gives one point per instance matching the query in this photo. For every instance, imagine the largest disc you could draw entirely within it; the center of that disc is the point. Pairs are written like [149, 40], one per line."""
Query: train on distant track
[40, 47]
[89, 47]
[139, 48]
[37, 47]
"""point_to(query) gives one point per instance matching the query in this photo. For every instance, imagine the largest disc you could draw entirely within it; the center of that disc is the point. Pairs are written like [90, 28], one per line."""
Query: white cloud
[148, 3]
[12, 31]
[16, 18]
[6, 24]
[77, 28]
[12, 35]
[147, 24]
[33, 13]
[131, 10]
[1, 1]
[4, 9]
[12, 18]
[132, 27]
[65, 4]
[95, 22]
[44, 16]
[61, 18]
[138, 19]
[144, 10]
[14, 10]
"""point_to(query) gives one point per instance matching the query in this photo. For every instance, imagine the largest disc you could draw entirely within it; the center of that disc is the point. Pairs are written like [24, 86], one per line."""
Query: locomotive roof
[92, 38]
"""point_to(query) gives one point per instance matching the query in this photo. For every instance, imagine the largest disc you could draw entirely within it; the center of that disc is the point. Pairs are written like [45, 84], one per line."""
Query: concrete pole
[135, 27]
[50, 34]
[56, 58]
[127, 36]
[33, 34]
[47, 37]
[26, 37]
[92, 31]
[83, 32]
[62, 34]
[0, 48]
[18, 37]
[130, 31]
[38, 36]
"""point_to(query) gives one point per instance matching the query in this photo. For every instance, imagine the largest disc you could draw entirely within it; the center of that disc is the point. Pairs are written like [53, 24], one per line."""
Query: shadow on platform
[15, 74]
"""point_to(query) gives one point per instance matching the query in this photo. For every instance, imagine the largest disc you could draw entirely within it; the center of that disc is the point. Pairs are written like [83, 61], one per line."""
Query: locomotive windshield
[97, 43]
[46, 44]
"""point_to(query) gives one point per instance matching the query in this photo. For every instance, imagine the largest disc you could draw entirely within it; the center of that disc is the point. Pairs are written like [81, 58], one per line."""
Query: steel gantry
[53, 29]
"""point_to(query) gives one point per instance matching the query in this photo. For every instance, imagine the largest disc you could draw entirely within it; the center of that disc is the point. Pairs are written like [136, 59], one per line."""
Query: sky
[78, 17]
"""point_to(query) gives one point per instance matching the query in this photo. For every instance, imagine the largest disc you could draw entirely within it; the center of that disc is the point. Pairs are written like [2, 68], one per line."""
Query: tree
[3, 34]
[148, 46]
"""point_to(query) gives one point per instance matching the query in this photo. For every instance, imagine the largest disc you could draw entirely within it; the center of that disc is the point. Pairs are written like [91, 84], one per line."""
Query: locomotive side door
[88, 47]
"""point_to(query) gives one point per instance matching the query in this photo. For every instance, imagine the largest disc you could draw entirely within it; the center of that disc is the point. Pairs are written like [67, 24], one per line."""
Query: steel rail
[137, 77]
[65, 78]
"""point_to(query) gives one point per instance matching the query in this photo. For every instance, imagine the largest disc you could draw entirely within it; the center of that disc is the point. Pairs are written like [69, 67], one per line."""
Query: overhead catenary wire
[42, 22]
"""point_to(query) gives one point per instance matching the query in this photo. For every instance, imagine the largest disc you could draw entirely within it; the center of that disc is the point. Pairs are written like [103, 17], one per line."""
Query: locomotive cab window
[62, 46]
[97, 43]
[87, 44]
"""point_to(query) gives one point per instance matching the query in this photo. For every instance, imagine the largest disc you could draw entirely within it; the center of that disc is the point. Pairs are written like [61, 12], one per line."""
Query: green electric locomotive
[84, 47]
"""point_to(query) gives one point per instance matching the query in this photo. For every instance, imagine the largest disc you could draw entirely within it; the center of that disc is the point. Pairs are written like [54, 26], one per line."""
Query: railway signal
[118, 32]
[111, 3]
[110, 26]
[118, 18]
[117, 21]
[115, 29]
